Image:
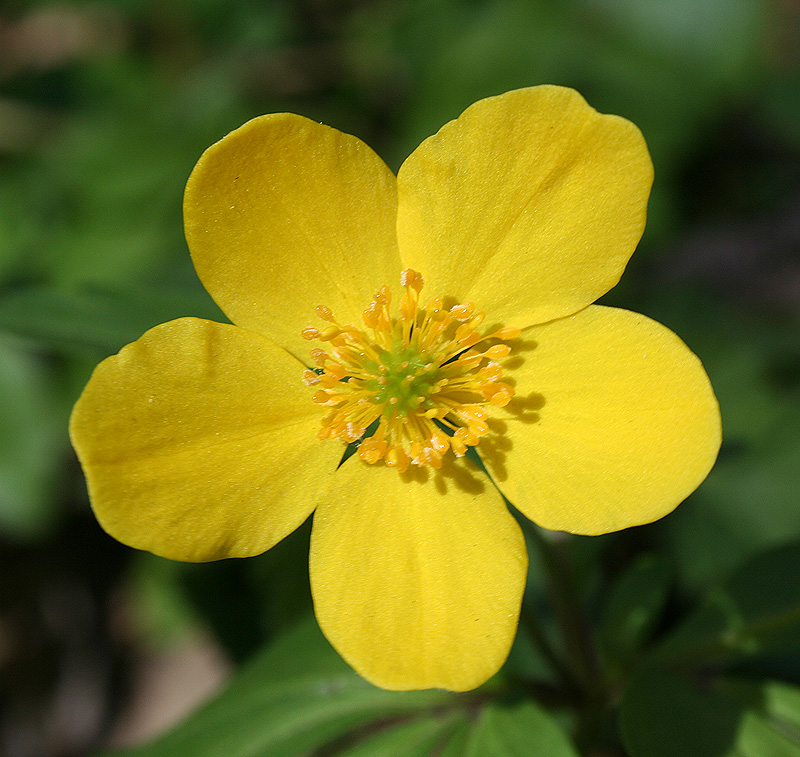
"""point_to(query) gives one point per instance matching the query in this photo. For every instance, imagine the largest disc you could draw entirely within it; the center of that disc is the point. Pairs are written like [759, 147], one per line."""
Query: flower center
[418, 374]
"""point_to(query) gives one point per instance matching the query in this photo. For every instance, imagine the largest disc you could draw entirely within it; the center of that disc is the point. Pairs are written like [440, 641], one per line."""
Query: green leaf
[28, 443]
[766, 591]
[297, 696]
[634, 606]
[755, 611]
[517, 730]
[418, 738]
[101, 320]
[665, 714]
[456, 745]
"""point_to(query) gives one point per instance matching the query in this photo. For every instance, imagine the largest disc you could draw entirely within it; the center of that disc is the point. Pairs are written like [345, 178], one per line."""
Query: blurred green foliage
[105, 107]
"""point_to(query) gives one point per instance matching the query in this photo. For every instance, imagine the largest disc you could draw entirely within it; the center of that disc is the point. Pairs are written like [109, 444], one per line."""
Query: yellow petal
[285, 214]
[613, 425]
[418, 577]
[199, 442]
[529, 204]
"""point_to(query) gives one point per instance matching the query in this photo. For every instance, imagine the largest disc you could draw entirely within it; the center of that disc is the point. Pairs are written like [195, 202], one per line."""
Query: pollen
[427, 376]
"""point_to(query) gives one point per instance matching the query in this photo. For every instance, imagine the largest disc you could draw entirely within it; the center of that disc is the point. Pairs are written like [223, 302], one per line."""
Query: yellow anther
[336, 370]
[497, 351]
[319, 356]
[328, 381]
[325, 313]
[466, 436]
[490, 389]
[433, 459]
[491, 372]
[411, 278]
[462, 331]
[507, 333]
[372, 450]
[434, 305]
[439, 442]
[501, 398]
[371, 315]
[396, 457]
[416, 373]
[417, 453]
[458, 446]
[384, 296]
[462, 312]
[478, 429]
[352, 432]
[470, 412]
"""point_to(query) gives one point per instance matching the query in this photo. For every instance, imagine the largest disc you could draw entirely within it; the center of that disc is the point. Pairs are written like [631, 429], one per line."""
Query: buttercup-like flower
[444, 309]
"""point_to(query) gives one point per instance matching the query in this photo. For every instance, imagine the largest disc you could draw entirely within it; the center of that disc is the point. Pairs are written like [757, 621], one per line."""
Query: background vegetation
[105, 107]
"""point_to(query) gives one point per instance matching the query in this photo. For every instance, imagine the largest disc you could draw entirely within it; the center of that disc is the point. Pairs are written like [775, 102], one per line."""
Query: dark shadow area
[493, 447]
[459, 475]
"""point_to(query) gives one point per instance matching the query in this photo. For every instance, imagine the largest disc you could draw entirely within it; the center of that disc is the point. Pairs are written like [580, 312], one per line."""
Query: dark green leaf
[101, 320]
[634, 606]
[517, 730]
[297, 696]
[756, 610]
[28, 443]
[418, 738]
[664, 714]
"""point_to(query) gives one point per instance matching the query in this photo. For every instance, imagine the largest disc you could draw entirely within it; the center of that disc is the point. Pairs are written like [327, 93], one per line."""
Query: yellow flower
[203, 440]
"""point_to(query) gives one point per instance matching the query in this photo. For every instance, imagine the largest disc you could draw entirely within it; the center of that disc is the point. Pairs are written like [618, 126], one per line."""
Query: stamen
[416, 374]
[497, 351]
[325, 313]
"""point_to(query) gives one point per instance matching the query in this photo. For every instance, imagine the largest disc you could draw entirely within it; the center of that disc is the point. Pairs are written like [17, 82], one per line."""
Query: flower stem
[532, 623]
[575, 628]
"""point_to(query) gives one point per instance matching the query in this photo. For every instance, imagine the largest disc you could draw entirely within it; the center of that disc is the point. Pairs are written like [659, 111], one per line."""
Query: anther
[507, 333]
[462, 312]
[336, 370]
[498, 351]
[411, 278]
[371, 315]
[416, 373]
[319, 356]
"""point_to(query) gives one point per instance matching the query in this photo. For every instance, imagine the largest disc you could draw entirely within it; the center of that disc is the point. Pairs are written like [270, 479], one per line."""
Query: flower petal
[529, 204]
[199, 442]
[285, 214]
[418, 577]
[614, 424]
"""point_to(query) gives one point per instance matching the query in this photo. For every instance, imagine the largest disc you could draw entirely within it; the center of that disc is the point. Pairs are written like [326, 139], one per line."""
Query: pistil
[420, 374]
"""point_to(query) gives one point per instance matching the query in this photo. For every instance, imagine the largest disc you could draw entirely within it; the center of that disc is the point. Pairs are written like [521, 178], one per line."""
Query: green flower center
[418, 374]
